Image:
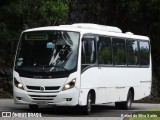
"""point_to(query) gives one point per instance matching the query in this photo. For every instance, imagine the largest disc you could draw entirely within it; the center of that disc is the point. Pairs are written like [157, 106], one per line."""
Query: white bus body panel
[112, 84]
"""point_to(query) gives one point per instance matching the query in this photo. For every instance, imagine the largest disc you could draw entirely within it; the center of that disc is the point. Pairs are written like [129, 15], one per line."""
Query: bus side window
[104, 50]
[132, 52]
[88, 51]
[119, 54]
[144, 53]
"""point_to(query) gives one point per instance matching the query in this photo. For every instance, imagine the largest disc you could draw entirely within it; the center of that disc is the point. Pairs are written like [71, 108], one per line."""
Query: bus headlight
[18, 84]
[70, 84]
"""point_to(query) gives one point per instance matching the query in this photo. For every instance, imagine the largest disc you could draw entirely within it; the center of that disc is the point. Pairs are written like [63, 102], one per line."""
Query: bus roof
[84, 28]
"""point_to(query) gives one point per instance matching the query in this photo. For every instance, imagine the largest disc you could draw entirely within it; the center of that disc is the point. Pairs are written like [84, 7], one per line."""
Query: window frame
[100, 64]
[144, 66]
[95, 45]
[137, 53]
[125, 65]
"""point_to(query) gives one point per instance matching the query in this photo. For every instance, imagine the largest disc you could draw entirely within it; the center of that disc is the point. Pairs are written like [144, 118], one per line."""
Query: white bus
[80, 65]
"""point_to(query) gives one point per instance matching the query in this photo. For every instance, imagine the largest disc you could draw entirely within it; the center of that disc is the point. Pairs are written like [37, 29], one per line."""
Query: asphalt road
[98, 111]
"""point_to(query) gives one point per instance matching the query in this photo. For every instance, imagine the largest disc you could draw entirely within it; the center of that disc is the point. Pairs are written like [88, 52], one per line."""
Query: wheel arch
[132, 91]
[93, 95]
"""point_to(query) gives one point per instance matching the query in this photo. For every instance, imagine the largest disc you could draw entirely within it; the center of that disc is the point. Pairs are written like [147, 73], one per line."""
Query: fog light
[18, 98]
[68, 99]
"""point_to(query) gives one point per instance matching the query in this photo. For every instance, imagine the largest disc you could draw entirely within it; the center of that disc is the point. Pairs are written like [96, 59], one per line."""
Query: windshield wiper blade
[53, 66]
[60, 67]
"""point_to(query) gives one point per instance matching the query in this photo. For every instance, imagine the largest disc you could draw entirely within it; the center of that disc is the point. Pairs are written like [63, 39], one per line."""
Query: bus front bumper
[63, 98]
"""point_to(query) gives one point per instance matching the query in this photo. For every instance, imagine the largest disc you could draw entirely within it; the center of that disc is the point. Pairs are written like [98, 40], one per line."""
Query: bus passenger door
[88, 65]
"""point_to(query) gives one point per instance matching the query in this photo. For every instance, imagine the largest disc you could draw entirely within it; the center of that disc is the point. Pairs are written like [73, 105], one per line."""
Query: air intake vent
[45, 87]
[33, 87]
[52, 88]
[42, 97]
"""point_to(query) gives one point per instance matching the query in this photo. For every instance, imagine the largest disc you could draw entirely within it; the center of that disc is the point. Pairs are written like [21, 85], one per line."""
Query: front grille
[42, 97]
[34, 87]
[45, 87]
[52, 88]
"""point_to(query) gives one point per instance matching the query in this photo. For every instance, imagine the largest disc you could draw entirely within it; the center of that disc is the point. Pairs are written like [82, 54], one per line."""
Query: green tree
[18, 15]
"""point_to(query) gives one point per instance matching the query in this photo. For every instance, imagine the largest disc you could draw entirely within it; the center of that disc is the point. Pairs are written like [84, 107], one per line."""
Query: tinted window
[88, 50]
[119, 56]
[144, 53]
[104, 50]
[132, 52]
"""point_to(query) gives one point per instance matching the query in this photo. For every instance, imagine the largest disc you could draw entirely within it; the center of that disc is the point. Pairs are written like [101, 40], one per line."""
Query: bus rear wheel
[127, 104]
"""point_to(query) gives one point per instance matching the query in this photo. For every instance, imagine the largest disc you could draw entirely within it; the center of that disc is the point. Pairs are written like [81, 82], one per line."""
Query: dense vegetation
[138, 16]
[16, 16]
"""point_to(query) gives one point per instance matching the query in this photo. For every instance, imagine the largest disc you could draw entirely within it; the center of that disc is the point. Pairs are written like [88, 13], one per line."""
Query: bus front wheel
[87, 108]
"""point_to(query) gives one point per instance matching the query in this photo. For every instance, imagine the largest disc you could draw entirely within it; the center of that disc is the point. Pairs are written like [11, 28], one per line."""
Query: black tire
[33, 107]
[87, 108]
[127, 104]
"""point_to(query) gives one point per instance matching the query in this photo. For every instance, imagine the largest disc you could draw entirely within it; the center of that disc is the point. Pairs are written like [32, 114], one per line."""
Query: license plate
[42, 102]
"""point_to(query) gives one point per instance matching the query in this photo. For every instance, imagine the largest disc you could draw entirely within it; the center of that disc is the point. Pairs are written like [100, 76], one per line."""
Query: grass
[149, 118]
[153, 114]
[148, 100]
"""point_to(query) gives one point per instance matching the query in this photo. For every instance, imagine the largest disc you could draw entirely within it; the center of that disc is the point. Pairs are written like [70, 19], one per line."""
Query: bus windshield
[47, 51]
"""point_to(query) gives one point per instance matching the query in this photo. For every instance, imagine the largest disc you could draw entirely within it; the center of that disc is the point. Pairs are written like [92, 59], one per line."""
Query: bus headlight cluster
[18, 84]
[70, 84]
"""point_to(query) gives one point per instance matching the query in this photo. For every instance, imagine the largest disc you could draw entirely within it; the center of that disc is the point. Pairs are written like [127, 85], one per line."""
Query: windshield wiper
[53, 66]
